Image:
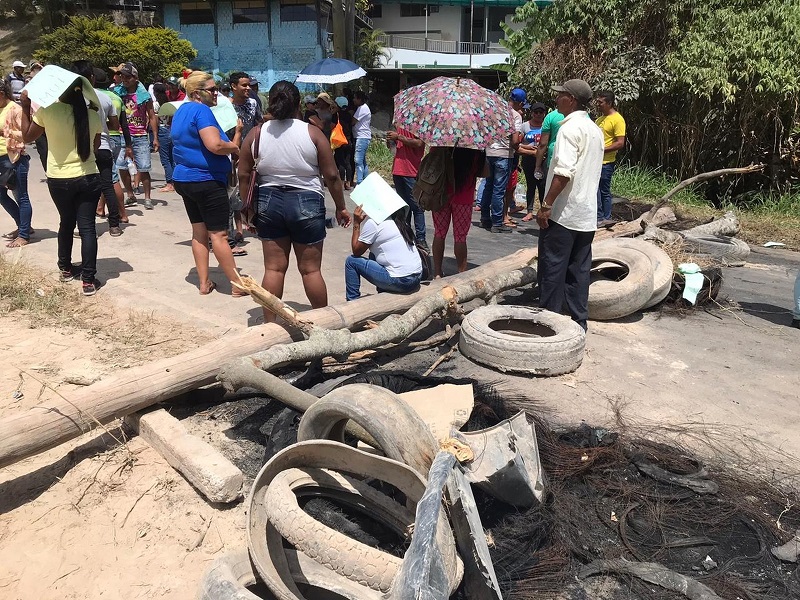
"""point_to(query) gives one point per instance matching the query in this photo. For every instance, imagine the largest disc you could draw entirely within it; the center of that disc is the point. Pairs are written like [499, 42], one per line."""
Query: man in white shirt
[568, 216]
[499, 157]
[362, 119]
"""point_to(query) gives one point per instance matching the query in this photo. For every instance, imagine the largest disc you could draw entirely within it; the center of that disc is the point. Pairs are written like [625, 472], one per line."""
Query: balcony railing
[444, 46]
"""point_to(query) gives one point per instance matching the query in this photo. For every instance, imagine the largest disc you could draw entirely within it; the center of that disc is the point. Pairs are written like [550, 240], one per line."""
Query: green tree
[703, 83]
[369, 49]
[154, 50]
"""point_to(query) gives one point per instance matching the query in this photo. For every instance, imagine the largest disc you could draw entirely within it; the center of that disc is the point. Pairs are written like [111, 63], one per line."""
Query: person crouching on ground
[73, 134]
[394, 264]
[201, 149]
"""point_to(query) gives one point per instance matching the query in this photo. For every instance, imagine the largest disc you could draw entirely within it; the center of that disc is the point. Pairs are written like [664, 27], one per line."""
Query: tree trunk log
[76, 412]
[727, 225]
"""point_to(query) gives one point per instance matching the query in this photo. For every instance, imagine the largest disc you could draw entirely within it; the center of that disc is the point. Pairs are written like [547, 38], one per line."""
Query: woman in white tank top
[290, 210]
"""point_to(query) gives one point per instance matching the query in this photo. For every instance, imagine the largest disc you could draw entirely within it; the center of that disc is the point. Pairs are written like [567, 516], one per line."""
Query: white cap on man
[18, 63]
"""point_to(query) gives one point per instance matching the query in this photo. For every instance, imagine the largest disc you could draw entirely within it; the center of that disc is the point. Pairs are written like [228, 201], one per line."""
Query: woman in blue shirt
[200, 150]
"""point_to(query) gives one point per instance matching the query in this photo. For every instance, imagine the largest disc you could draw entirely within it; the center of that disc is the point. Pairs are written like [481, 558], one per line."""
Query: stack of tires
[628, 275]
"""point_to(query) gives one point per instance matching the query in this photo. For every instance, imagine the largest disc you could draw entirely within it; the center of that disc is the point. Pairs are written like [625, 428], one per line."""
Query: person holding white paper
[394, 264]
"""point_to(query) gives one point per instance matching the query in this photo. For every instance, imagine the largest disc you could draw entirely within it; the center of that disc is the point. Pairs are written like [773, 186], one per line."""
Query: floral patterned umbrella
[453, 112]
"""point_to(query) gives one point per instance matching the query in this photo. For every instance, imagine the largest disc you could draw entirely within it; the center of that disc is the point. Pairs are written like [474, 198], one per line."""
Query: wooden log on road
[76, 412]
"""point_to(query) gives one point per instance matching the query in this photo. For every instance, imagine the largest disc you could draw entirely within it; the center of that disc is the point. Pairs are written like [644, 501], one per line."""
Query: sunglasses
[211, 90]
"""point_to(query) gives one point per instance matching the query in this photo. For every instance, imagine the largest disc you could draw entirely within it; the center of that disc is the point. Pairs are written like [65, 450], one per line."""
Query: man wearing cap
[16, 79]
[139, 112]
[499, 156]
[613, 126]
[174, 91]
[567, 218]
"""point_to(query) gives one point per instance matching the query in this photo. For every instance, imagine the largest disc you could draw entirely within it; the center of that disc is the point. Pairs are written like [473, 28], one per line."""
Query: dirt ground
[106, 517]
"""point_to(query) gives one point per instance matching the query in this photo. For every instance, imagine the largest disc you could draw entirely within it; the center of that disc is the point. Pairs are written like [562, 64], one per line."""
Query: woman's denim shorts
[290, 212]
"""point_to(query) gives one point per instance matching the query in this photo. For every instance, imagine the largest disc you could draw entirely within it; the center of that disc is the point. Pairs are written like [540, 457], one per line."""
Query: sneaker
[90, 287]
[131, 201]
[502, 229]
[115, 231]
[148, 204]
[66, 276]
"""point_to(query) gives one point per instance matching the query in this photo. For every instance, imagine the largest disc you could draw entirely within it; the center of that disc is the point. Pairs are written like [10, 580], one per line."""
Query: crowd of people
[96, 150]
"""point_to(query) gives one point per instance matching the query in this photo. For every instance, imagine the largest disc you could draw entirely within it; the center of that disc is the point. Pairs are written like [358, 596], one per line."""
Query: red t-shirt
[407, 159]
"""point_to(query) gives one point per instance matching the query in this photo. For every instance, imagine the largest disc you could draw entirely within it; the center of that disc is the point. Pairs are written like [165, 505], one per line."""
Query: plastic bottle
[131, 167]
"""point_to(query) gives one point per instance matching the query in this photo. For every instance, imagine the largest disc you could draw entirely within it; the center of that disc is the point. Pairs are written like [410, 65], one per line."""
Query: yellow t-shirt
[3, 114]
[63, 161]
[613, 126]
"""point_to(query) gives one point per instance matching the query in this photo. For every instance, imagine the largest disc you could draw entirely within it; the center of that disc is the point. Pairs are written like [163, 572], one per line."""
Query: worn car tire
[663, 269]
[721, 247]
[611, 299]
[230, 575]
[556, 354]
[349, 558]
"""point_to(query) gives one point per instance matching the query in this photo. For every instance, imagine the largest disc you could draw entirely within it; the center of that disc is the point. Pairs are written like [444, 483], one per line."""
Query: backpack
[434, 179]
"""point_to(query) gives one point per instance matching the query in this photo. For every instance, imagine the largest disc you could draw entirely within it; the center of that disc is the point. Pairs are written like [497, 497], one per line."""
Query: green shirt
[550, 125]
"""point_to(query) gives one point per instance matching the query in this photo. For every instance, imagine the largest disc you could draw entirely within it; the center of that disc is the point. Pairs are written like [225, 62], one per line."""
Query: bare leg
[123, 214]
[276, 262]
[309, 263]
[200, 253]
[237, 218]
[125, 178]
[460, 249]
[101, 205]
[438, 256]
[223, 254]
[146, 183]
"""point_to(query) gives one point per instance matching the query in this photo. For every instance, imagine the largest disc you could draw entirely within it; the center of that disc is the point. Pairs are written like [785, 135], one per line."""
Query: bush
[154, 50]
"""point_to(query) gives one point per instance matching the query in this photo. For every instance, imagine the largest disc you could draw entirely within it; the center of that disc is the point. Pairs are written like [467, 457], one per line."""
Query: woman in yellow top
[13, 156]
[73, 134]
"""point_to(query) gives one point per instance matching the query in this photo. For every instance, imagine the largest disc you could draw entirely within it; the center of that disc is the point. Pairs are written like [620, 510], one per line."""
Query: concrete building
[456, 37]
[269, 39]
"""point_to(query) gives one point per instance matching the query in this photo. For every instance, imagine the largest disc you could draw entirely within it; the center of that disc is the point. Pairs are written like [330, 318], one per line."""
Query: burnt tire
[663, 268]
[367, 566]
[526, 350]
[616, 298]
[727, 249]
[230, 575]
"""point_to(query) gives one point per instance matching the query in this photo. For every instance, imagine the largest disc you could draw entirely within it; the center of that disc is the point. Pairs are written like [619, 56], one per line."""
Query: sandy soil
[108, 518]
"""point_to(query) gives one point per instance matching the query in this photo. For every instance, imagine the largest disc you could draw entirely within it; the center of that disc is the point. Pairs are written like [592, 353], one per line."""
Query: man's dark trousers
[565, 259]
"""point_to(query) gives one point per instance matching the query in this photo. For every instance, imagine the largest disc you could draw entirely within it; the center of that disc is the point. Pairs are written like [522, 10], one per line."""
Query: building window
[375, 11]
[298, 10]
[196, 13]
[250, 11]
[417, 10]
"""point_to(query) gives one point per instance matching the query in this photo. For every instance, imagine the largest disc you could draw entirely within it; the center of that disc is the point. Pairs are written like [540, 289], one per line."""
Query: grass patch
[380, 158]
[134, 337]
[764, 217]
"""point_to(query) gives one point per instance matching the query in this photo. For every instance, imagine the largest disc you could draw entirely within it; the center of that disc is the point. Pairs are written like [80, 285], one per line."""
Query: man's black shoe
[487, 225]
[795, 323]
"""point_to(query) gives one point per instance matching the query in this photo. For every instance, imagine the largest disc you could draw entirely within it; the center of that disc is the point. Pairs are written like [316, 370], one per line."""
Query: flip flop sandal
[17, 243]
[509, 224]
[211, 287]
[239, 252]
[237, 293]
[528, 217]
[12, 235]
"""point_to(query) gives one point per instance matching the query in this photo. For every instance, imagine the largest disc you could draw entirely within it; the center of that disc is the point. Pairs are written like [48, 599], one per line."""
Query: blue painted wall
[247, 46]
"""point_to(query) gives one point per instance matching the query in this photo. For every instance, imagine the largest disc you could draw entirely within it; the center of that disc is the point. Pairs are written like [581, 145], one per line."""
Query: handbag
[248, 209]
[8, 178]
[338, 138]
[425, 259]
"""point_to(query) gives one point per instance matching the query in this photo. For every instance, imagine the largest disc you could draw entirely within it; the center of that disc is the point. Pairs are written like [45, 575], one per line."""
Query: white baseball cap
[19, 63]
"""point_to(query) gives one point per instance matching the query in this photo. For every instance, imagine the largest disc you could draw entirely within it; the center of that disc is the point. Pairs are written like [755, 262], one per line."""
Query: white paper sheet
[377, 198]
[52, 81]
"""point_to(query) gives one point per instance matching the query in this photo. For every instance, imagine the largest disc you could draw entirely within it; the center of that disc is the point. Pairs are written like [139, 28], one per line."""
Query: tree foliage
[369, 48]
[154, 50]
[704, 83]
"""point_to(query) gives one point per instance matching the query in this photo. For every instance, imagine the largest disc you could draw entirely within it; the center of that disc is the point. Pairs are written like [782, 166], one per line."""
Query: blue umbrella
[331, 70]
